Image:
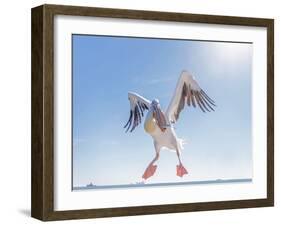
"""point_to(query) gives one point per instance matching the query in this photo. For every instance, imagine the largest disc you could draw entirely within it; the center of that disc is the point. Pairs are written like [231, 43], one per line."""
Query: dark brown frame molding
[42, 202]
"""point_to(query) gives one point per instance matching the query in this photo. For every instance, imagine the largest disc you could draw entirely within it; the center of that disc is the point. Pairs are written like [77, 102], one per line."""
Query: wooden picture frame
[42, 203]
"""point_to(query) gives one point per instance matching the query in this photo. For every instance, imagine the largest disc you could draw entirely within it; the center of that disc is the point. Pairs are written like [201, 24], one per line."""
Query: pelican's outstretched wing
[188, 91]
[138, 105]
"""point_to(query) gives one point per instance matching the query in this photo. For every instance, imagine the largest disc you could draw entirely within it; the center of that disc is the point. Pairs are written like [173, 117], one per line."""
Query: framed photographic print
[141, 112]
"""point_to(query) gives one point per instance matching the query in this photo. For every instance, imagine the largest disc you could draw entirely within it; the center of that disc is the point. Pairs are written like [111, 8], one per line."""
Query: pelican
[160, 125]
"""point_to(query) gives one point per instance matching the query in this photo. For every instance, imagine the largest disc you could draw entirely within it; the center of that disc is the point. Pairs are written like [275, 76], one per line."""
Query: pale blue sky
[106, 68]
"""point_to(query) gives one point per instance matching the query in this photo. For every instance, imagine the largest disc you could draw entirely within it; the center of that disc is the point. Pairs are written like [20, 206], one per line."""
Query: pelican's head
[155, 102]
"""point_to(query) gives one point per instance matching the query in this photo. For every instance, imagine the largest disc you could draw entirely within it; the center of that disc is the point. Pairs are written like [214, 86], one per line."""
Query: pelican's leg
[150, 170]
[180, 168]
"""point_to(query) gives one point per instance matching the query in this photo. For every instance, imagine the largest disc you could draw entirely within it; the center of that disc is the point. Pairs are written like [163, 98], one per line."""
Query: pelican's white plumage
[159, 124]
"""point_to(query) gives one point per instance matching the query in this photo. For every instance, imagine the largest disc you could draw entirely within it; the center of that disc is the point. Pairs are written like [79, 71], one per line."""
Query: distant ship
[90, 185]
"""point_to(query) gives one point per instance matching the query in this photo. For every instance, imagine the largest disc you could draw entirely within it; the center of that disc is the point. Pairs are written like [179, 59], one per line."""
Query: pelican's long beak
[159, 117]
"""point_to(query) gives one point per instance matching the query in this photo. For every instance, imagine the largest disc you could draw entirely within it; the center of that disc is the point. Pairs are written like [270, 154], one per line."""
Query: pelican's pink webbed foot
[150, 170]
[181, 170]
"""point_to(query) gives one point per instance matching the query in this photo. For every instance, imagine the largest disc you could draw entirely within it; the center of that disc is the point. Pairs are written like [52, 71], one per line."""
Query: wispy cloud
[159, 80]
[112, 142]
